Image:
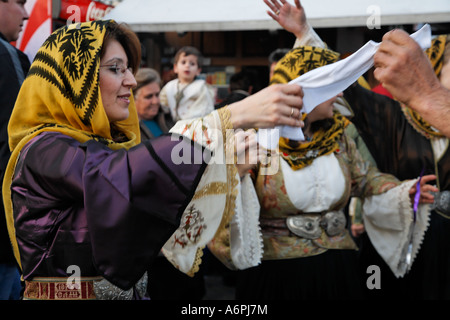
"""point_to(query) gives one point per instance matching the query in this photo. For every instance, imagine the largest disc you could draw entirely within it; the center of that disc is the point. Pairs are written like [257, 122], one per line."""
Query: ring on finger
[292, 112]
[278, 12]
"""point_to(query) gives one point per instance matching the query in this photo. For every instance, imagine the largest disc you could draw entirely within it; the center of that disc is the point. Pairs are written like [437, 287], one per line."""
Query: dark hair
[129, 41]
[324, 124]
[277, 54]
[188, 50]
[241, 81]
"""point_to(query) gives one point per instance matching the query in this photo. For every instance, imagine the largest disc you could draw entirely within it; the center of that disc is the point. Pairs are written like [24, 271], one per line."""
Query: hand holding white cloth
[325, 82]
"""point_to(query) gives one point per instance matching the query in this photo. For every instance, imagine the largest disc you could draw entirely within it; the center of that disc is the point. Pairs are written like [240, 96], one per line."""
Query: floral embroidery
[269, 199]
[193, 226]
[186, 128]
[204, 136]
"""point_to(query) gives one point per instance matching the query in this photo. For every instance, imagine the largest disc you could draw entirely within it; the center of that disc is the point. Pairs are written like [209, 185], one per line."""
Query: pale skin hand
[275, 105]
[292, 19]
[278, 104]
[425, 197]
[246, 151]
[404, 69]
[357, 229]
[425, 189]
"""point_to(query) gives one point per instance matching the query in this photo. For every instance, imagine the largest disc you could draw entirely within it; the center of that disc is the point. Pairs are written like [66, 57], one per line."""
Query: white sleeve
[246, 237]
[222, 202]
[388, 220]
[309, 38]
[214, 200]
[200, 220]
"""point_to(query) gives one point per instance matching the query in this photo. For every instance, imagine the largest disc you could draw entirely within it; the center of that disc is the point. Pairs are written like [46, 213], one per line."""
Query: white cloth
[245, 234]
[439, 145]
[319, 189]
[220, 197]
[388, 220]
[325, 82]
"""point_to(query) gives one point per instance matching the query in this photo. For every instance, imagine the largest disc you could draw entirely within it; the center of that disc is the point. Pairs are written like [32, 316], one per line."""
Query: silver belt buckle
[309, 226]
[334, 223]
[442, 202]
[305, 225]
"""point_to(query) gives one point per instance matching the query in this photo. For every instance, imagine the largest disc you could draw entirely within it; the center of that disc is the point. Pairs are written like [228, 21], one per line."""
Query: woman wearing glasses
[89, 205]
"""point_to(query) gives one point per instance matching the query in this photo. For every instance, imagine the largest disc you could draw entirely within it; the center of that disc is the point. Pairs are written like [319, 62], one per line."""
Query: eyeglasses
[118, 69]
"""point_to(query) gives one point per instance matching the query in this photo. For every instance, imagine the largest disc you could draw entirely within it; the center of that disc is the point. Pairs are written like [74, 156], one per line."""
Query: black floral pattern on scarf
[80, 60]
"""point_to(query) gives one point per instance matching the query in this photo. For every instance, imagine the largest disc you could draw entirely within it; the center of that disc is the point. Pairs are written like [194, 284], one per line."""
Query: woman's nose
[155, 100]
[129, 80]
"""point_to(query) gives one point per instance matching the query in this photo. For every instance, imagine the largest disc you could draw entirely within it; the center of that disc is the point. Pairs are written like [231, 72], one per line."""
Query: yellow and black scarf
[324, 141]
[61, 93]
[436, 55]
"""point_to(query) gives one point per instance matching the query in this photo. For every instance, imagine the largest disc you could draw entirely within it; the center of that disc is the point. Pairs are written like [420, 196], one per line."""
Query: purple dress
[107, 212]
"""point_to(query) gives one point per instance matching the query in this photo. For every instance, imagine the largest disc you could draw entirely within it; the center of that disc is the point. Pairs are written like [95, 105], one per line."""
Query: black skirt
[330, 275]
[429, 277]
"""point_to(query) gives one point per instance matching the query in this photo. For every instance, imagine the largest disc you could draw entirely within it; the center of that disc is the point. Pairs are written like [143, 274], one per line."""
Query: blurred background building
[233, 35]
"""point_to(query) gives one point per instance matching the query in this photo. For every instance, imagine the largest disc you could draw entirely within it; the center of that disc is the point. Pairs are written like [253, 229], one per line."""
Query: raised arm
[293, 19]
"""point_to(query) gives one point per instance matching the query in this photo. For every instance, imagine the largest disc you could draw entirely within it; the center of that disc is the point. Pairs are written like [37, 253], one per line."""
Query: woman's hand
[278, 104]
[246, 151]
[292, 19]
[357, 229]
[425, 189]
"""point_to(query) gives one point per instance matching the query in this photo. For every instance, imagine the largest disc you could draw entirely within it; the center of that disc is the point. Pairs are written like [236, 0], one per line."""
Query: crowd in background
[369, 185]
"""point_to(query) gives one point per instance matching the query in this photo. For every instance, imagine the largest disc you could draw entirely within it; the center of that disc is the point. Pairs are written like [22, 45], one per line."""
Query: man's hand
[404, 69]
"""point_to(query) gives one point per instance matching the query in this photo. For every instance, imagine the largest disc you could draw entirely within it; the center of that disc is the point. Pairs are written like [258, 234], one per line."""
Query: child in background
[187, 97]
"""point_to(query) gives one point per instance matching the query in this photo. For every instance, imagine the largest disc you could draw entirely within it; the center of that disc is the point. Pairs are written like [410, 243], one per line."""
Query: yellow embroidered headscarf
[324, 141]
[61, 93]
[436, 56]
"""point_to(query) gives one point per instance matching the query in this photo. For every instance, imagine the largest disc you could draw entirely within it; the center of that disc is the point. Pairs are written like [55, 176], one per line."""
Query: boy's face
[187, 68]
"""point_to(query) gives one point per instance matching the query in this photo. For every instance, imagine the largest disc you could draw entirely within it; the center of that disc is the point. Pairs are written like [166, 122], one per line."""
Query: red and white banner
[83, 10]
[37, 28]
[39, 25]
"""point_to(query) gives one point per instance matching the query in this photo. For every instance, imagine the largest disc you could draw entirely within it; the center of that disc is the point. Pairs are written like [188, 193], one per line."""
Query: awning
[229, 15]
